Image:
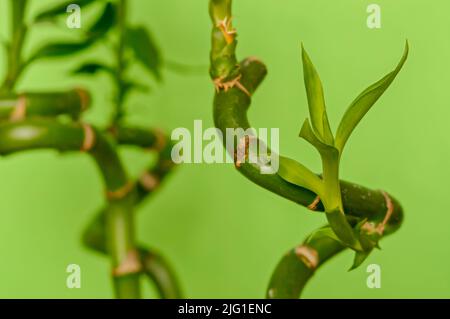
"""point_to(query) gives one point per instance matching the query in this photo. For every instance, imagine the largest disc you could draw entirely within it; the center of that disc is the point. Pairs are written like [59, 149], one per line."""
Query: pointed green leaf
[93, 68]
[325, 231]
[295, 173]
[341, 227]
[308, 134]
[316, 100]
[99, 28]
[132, 85]
[59, 50]
[360, 257]
[145, 50]
[368, 239]
[59, 9]
[362, 104]
[104, 23]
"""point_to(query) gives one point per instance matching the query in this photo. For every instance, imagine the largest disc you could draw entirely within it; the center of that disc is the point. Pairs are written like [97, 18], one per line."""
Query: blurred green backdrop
[224, 235]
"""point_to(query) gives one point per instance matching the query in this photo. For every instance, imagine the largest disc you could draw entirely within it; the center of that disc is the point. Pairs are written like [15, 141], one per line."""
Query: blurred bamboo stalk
[32, 121]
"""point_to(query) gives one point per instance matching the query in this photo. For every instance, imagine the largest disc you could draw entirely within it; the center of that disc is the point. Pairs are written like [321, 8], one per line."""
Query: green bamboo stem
[40, 133]
[293, 272]
[359, 202]
[41, 105]
[152, 140]
[24, 132]
[17, 107]
[235, 83]
[73, 103]
[127, 219]
[160, 272]
[230, 111]
[18, 32]
[155, 267]
[120, 61]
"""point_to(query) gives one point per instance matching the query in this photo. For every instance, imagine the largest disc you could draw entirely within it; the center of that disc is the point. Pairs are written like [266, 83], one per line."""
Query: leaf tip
[304, 128]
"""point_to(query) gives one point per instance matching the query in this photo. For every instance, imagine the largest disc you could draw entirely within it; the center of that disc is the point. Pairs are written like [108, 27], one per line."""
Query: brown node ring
[20, 110]
[242, 150]
[389, 211]
[314, 204]
[121, 192]
[131, 265]
[161, 140]
[89, 138]
[370, 228]
[149, 181]
[308, 256]
[85, 98]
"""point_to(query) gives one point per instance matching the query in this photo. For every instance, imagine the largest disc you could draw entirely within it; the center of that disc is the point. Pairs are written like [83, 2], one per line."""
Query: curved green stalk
[30, 127]
[68, 138]
[40, 133]
[230, 111]
[154, 266]
[16, 107]
[298, 266]
[370, 213]
[150, 140]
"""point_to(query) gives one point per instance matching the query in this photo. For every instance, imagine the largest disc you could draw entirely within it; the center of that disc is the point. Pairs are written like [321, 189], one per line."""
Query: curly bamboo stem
[40, 133]
[17, 107]
[153, 140]
[298, 266]
[230, 111]
[235, 83]
[154, 265]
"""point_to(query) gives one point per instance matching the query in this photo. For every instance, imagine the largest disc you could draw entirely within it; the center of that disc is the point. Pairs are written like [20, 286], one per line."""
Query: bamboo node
[161, 141]
[314, 204]
[219, 84]
[308, 256]
[371, 228]
[20, 110]
[121, 192]
[89, 138]
[85, 98]
[149, 181]
[242, 150]
[389, 207]
[131, 265]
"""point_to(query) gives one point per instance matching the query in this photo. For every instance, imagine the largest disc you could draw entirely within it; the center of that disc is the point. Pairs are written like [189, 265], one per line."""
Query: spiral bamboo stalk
[235, 83]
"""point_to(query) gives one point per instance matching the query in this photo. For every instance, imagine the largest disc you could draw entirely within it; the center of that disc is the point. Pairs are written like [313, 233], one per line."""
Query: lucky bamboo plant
[53, 120]
[357, 217]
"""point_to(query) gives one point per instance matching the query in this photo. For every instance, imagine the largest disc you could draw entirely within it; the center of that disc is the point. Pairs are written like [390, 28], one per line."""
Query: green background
[223, 234]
